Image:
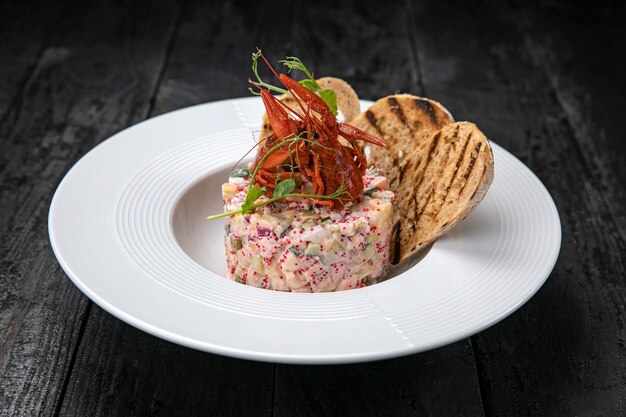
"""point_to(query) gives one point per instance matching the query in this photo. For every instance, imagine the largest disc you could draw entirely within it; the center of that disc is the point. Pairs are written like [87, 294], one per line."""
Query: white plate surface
[127, 225]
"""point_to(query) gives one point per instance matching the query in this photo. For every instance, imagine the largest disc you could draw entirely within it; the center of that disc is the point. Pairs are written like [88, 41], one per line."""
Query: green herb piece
[295, 251]
[256, 192]
[293, 62]
[324, 219]
[330, 98]
[255, 63]
[242, 172]
[310, 84]
[370, 190]
[253, 195]
[284, 187]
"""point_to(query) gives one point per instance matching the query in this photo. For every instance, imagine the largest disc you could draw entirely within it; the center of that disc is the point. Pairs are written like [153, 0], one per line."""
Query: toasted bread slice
[404, 122]
[347, 101]
[443, 182]
[439, 170]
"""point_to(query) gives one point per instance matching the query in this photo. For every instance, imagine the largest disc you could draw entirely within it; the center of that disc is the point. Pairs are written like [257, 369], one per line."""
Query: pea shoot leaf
[254, 193]
[311, 85]
[330, 98]
[284, 187]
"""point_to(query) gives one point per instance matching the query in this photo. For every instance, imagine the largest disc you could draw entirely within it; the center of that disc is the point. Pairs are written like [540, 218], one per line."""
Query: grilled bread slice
[347, 101]
[404, 122]
[443, 182]
[440, 170]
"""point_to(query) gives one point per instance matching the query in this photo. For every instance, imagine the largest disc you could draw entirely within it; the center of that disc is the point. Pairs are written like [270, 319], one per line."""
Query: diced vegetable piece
[312, 250]
[242, 172]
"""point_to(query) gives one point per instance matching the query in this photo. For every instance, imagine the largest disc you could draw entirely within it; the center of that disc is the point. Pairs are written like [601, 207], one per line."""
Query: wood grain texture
[563, 352]
[581, 63]
[361, 42]
[23, 36]
[121, 371]
[95, 77]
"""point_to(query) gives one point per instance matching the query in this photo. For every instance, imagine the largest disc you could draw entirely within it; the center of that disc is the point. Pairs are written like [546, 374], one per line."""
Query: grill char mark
[373, 121]
[397, 110]
[471, 166]
[426, 203]
[456, 171]
[481, 180]
[433, 146]
[425, 107]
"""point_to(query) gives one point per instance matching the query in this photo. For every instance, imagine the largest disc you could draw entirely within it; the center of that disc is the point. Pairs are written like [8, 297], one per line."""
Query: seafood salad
[308, 215]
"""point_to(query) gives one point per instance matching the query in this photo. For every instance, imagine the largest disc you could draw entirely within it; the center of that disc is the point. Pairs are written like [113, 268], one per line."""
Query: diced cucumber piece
[242, 172]
[282, 227]
[368, 251]
[370, 190]
[235, 243]
[312, 250]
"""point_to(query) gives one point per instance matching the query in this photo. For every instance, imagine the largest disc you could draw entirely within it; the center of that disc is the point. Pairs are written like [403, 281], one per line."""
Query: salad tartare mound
[307, 214]
[298, 245]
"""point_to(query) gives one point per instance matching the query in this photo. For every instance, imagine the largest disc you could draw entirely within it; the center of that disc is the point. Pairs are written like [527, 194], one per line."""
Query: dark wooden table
[545, 81]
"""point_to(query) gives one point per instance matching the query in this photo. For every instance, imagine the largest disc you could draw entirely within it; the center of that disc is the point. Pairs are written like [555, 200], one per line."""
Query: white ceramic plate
[127, 225]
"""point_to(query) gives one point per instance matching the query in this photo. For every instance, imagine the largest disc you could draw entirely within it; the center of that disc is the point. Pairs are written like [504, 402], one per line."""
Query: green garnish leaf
[330, 98]
[284, 187]
[324, 219]
[311, 85]
[242, 172]
[253, 195]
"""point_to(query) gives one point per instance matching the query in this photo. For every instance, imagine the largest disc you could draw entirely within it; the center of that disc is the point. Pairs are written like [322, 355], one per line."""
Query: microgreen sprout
[294, 63]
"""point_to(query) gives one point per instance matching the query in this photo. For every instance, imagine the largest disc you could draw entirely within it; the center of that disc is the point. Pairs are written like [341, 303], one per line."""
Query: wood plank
[96, 77]
[586, 71]
[563, 352]
[360, 42]
[212, 54]
[120, 370]
[23, 35]
[441, 382]
[369, 46]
